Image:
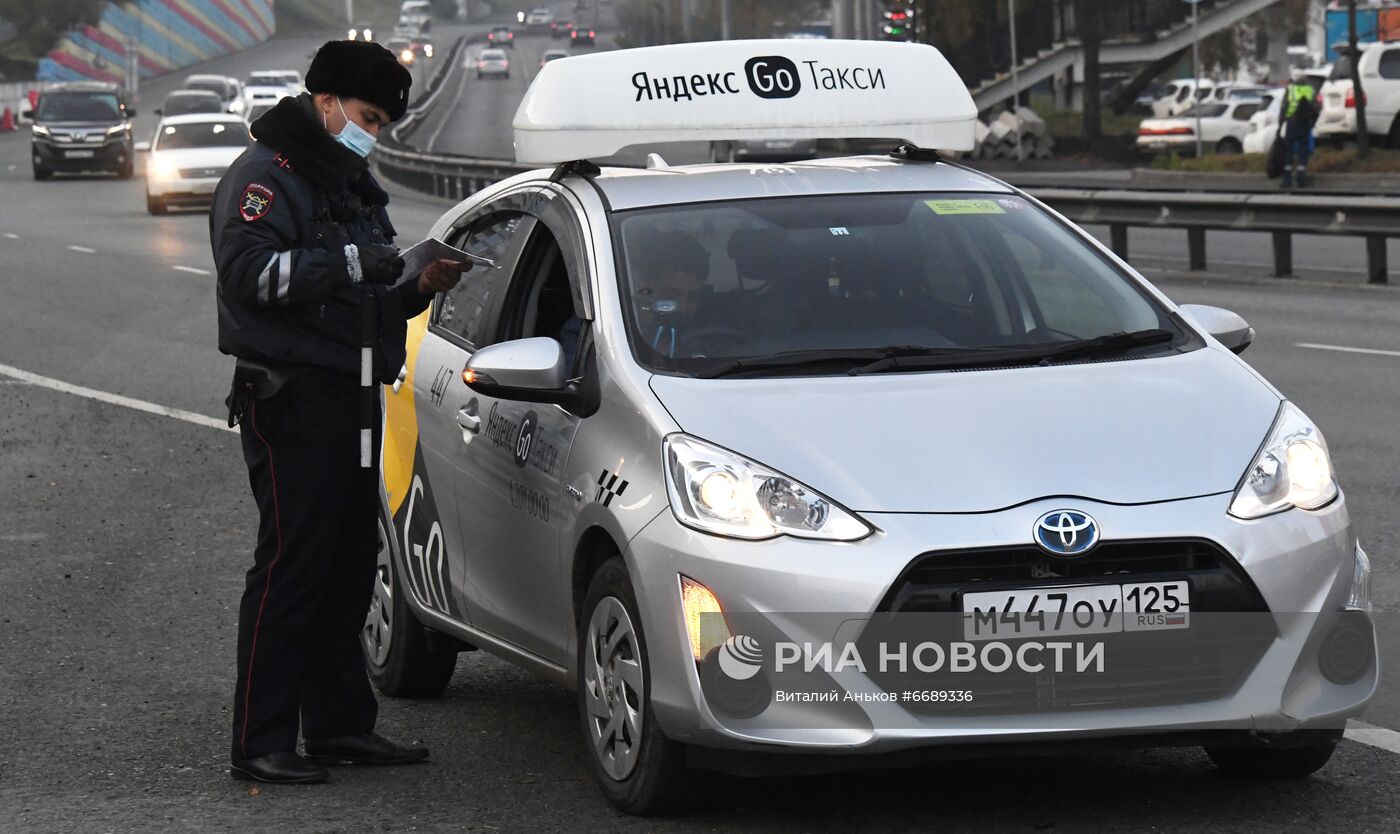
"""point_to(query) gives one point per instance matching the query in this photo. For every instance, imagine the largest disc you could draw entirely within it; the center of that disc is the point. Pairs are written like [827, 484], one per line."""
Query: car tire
[643, 772]
[402, 662]
[1229, 145]
[155, 205]
[41, 173]
[1290, 762]
[127, 170]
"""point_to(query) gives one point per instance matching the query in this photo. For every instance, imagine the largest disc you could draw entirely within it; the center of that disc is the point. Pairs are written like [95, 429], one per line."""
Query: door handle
[468, 419]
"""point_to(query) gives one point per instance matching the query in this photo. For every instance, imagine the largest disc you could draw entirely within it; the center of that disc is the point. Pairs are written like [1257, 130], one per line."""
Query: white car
[492, 62]
[229, 90]
[815, 458]
[267, 87]
[1223, 128]
[539, 17]
[1228, 92]
[188, 157]
[1180, 95]
[1263, 125]
[1380, 80]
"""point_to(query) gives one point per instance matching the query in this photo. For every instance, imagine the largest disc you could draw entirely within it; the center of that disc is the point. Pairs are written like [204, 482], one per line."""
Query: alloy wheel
[614, 690]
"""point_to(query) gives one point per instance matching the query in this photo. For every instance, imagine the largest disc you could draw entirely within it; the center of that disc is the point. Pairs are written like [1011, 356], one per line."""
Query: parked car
[1227, 92]
[188, 157]
[501, 36]
[82, 126]
[1180, 95]
[1336, 119]
[1223, 128]
[1263, 125]
[492, 62]
[185, 102]
[1379, 68]
[229, 90]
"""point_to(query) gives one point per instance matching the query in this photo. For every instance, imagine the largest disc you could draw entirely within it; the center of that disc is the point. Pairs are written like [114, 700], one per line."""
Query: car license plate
[1081, 609]
[78, 154]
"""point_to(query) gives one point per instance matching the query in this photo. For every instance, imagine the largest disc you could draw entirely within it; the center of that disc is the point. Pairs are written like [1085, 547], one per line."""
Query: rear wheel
[1393, 139]
[639, 769]
[401, 660]
[1295, 761]
[1229, 145]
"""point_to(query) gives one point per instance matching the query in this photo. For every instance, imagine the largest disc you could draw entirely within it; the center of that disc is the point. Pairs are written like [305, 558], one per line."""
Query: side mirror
[529, 370]
[1228, 328]
[143, 147]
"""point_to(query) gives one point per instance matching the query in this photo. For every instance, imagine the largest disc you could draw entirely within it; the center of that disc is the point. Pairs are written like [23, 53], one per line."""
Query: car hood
[220, 157]
[103, 124]
[1126, 432]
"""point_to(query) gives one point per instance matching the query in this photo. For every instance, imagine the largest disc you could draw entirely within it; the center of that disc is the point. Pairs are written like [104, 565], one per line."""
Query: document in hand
[419, 255]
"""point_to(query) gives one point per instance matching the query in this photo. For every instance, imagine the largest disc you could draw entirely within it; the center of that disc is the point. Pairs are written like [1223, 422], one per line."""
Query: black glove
[380, 264]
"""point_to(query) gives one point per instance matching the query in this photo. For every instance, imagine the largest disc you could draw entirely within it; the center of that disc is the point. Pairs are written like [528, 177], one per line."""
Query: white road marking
[192, 270]
[114, 399]
[1345, 349]
[83, 249]
[1373, 736]
[461, 85]
[11, 235]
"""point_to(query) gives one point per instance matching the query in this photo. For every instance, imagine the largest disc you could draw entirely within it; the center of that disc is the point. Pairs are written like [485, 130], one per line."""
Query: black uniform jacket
[281, 219]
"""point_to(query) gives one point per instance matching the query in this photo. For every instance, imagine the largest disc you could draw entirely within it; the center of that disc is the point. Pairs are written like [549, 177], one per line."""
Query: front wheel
[155, 205]
[1292, 762]
[401, 662]
[41, 173]
[638, 768]
[127, 170]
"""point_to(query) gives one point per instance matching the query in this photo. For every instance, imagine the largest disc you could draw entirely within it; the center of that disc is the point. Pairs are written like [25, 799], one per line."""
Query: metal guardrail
[1375, 219]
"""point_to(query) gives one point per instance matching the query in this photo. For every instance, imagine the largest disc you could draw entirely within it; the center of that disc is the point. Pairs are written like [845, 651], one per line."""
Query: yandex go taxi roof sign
[589, 106]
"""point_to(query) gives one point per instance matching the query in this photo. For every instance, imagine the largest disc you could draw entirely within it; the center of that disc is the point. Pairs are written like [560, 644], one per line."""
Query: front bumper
[108, 156]
[1297, 561]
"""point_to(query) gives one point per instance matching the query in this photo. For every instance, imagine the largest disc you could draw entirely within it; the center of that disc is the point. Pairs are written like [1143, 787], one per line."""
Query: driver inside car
[669, 271]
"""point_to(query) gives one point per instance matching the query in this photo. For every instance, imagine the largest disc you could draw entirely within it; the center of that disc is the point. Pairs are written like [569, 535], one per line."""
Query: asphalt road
[124, 536]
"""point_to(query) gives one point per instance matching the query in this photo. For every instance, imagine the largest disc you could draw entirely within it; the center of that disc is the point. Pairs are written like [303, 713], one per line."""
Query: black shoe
[281, 768]
[365, 748]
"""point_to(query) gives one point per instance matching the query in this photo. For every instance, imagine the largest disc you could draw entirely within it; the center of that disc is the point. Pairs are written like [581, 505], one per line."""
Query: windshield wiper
[1109, 345]
[824, 356]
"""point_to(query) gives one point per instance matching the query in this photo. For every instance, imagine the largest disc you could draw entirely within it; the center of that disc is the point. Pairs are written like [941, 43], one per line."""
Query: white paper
[417, 257]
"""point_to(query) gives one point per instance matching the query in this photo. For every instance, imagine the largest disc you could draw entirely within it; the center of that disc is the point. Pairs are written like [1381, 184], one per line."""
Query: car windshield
[1341, 69]
[178, 105]
[756, 279]
[1206, 111]
[79, 107]
[203, 135]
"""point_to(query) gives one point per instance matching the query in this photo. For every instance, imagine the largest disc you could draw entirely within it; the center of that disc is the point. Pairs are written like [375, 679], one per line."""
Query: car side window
[1244, 111]
[467, 311]
[1390, 63]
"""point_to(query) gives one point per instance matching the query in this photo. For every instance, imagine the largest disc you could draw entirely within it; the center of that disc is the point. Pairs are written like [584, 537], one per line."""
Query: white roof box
[591, 106]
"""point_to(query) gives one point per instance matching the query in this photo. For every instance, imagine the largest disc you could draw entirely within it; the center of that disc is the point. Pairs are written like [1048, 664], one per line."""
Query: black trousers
[309, 589]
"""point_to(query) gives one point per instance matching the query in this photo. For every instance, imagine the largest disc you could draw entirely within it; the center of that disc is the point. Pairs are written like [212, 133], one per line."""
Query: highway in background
[124, 536]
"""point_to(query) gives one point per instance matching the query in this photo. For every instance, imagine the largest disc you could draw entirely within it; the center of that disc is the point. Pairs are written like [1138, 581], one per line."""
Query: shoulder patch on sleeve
[256, 201]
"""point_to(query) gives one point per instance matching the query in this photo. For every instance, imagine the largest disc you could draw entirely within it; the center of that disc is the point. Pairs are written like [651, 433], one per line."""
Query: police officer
[302, 243]
[1299, 114]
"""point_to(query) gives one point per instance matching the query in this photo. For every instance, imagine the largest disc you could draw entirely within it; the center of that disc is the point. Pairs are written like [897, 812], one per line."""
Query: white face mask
[352, 135]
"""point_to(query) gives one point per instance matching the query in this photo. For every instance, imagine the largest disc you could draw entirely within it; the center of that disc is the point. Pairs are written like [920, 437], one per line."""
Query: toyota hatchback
[845, 459]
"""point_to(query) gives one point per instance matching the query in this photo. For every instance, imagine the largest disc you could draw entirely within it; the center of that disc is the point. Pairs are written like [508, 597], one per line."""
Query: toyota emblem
[1066, 533]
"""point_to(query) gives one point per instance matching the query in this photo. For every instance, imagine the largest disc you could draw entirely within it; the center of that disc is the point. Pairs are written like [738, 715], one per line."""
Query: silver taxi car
[689, 399]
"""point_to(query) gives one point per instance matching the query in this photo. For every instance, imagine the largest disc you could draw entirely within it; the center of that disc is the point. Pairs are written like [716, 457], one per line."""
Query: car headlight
[163, 169]
[119, 129]
[1293, 469]
[717, 491]
[428, 50]
[41, 131]
[406, 56]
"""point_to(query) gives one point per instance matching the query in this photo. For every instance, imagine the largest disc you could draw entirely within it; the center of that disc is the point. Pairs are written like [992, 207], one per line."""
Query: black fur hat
[367, 71]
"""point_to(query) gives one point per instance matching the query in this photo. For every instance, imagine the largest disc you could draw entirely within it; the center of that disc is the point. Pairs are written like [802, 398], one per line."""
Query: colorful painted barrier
[167, 34]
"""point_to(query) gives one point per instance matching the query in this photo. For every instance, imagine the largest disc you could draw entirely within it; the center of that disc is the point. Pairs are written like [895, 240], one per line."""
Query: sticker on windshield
[964, 207]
